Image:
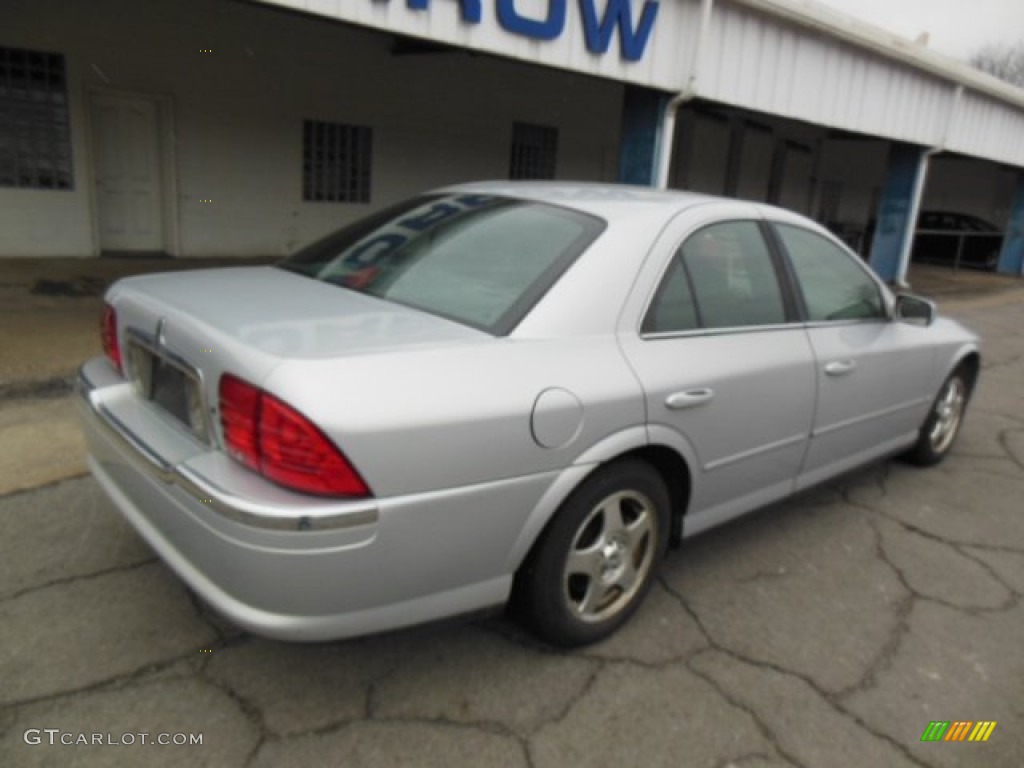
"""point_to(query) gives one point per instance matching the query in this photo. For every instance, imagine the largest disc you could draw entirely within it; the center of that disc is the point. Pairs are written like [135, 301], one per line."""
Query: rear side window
[834, 285]
[477, 259]
[721, 277]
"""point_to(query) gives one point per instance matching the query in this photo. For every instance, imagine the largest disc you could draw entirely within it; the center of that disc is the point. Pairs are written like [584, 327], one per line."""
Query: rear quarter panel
[448, 417]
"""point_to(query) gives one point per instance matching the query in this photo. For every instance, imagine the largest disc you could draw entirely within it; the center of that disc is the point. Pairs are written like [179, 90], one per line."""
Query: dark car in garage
[957, 240]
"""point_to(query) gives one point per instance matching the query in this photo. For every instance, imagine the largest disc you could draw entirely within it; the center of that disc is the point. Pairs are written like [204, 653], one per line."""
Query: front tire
[593, 565]
[940, 429]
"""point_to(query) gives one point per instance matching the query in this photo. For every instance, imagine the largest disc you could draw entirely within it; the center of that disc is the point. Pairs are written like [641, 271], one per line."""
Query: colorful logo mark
[959, 730]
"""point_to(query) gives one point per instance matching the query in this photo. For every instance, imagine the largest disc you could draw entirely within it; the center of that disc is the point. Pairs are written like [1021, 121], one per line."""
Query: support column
[1011, 260]
[896, 217]
[640, 143]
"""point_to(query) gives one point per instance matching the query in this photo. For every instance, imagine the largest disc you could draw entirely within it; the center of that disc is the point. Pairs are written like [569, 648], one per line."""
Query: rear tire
[941, 427]
[595, 562]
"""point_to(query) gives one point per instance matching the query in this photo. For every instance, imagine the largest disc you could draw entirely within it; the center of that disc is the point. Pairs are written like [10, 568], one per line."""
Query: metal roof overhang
[793, 58]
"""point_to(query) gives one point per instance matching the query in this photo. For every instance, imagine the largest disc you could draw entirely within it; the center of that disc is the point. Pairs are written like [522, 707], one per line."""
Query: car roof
[957, 214]
[590, 197]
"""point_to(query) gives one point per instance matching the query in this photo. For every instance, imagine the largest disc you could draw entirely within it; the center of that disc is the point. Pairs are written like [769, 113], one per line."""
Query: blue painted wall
[1011, 260]
[642, 111]
[892, 225]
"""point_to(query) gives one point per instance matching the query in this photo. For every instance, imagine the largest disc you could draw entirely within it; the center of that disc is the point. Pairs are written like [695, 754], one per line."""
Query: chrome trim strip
[316, 517]
[870, 416]
[157, 466]
[784, 443]
[762, 328]
[848, 321]
[245, 511]
[732, 330]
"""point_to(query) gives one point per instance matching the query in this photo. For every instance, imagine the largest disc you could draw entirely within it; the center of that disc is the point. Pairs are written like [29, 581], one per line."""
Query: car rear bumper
[293, 567]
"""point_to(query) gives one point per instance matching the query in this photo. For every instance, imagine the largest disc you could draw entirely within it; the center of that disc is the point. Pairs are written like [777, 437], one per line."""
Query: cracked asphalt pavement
[825, 631]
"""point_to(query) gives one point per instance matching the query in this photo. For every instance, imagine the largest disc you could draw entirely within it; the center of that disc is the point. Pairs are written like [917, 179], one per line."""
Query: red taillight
[239, 416]
[298, 455]
[280, 443]
[108, 335]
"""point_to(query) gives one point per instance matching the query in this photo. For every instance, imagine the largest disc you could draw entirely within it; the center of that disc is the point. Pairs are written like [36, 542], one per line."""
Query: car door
[724, 364]
[872, 372]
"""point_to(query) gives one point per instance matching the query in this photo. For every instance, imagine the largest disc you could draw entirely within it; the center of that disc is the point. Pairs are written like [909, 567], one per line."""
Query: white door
[128, 184]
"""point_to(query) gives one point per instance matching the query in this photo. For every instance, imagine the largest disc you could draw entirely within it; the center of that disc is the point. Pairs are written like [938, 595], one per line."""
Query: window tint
[673, 309]
[722, 277]
[477, 259]
[834, 286]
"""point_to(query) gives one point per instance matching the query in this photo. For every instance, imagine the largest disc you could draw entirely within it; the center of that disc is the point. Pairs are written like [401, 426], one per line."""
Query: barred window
[35, 135]
[336, 162]
[534, 152]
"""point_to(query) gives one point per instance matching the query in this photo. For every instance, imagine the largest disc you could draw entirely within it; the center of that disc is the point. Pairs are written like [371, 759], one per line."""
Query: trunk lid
[181, 332]
[281, 314]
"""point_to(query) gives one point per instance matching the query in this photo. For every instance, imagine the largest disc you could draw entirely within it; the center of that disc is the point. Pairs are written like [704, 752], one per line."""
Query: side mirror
[914, 309]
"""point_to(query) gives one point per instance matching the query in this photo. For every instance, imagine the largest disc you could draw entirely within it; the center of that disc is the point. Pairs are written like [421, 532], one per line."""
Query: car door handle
[677, 401]
[840, 367]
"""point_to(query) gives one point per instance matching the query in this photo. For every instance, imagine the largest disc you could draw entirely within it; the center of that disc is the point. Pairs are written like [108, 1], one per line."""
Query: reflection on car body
[502, 390]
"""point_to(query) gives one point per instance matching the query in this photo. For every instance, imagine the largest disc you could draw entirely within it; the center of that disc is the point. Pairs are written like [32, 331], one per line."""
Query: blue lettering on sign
[548, 29]
[597, 31]
[618, 13]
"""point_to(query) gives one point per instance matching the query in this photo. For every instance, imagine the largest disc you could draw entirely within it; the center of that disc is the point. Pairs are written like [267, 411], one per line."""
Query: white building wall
[766, 64]
[45, 223]
[235, 132]
[790, 58]
[802, 59]
[985, 127]
[232, 133]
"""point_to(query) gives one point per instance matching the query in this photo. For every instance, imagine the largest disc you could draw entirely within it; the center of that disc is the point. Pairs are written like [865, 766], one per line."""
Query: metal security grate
[534, 152]
[336, 162]
[35, 135]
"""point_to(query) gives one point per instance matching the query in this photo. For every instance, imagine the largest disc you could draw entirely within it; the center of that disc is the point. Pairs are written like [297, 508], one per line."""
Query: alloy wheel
[611, 555]
[949, 410]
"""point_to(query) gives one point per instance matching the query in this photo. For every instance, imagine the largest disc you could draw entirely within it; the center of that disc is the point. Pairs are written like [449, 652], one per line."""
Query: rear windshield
[480, 260]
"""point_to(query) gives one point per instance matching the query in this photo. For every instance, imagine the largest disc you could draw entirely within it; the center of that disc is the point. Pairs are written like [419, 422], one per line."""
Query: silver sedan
[502, 393]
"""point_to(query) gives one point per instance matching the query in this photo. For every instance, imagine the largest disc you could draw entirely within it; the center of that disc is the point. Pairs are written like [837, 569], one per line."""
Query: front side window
[481, 260]
[834, 286]
[721, 277]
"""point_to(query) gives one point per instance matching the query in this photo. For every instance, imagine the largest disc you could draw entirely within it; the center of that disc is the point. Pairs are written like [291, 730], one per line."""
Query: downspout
[919, 183]
[912, 214]
[666, 139]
